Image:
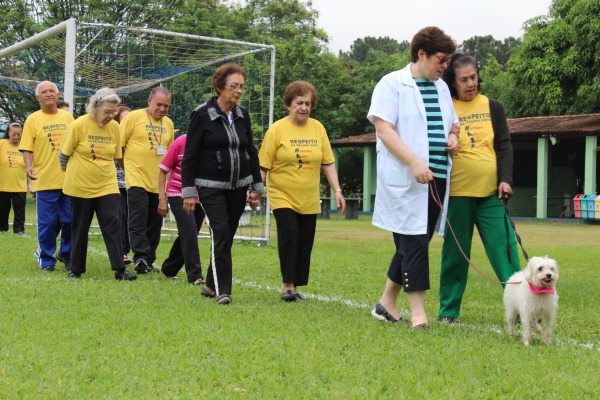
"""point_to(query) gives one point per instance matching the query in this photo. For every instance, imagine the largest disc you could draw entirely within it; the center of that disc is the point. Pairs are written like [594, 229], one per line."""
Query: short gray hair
[37, 88]
[103, 95]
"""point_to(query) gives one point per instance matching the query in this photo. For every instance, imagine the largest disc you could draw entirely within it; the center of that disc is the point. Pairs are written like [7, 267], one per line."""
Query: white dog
[533, 298]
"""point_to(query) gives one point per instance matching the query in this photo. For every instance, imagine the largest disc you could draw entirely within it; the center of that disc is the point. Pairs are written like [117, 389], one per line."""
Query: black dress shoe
[300, 296]
[288, 296]
[124, 275]
[74, 275]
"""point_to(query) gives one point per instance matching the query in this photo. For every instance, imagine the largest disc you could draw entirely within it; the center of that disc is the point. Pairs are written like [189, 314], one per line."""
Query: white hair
[103, 95]
[38, 87]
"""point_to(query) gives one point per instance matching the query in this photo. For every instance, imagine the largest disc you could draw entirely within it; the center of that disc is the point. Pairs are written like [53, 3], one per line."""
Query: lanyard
[159, 139]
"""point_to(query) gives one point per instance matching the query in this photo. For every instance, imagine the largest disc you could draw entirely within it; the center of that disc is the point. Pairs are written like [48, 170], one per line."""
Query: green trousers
[464, 213]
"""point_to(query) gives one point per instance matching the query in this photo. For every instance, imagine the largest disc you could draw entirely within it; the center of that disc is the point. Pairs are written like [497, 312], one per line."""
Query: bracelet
[338, 190]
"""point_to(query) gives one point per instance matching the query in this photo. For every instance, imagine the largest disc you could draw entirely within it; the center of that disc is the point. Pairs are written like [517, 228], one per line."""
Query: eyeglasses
[236, 86]
[443, 60]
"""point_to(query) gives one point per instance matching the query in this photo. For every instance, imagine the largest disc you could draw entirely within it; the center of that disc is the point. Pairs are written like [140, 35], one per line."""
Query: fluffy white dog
[533, 298]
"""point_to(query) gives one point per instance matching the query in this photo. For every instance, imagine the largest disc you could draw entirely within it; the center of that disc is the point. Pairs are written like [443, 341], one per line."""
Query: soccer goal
[82, 57]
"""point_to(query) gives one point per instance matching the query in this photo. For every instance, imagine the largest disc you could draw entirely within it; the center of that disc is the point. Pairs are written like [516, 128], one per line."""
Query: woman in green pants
[481, 179]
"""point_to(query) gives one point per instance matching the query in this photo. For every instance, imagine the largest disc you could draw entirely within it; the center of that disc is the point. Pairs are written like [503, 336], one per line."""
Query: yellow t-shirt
[91, 170]
[294, 156]
[140, 136]
[43, 135]
[474, 167]
[12, 168]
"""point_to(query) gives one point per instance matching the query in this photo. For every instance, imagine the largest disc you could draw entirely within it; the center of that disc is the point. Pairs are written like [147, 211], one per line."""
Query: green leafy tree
[482, 46]
[557, 67]
[361, 47]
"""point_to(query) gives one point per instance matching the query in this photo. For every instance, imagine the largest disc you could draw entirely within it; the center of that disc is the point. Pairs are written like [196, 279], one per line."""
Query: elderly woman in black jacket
[221, 161]
[481, 179]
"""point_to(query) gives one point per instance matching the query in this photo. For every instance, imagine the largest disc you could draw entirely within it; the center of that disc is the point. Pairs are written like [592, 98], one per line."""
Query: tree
[361, 47]
[482, 46]
[557, 66]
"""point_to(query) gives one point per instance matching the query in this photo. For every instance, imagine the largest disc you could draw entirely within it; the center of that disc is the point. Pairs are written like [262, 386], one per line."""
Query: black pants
[107, 211]
[124, 222]
[223, 209]
[185, 248]
[18, 200]
[145, 223]
[410, 264]
[295, 238]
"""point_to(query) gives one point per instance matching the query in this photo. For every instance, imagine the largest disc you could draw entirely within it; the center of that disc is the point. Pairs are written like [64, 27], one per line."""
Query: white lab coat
[400, 201]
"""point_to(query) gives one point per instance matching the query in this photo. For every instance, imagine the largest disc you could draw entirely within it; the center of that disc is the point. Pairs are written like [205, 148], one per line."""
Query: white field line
[354, 304]
[481, 328]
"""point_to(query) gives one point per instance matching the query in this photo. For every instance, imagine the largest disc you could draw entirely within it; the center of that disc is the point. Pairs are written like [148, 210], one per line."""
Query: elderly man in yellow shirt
[145, 136]
[43, 133]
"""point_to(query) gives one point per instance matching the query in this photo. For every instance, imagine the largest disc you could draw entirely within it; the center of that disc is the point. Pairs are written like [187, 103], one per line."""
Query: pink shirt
[171, 164]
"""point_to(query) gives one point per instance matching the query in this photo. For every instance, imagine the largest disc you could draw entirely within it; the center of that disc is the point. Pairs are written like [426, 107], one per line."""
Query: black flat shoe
[124, 275]
[300, 296]
[381, 314]
[288, 296]
[204, 292]
[449, 320]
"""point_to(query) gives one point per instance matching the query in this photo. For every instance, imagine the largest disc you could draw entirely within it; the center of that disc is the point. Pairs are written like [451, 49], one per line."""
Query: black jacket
[502, 143]
[218, 155]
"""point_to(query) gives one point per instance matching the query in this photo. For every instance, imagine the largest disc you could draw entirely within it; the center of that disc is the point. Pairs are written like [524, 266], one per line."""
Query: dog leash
[508, 219]
[436, 199]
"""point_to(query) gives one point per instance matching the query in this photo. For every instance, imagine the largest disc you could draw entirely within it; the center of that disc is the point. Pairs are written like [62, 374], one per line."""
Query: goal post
[82, 57]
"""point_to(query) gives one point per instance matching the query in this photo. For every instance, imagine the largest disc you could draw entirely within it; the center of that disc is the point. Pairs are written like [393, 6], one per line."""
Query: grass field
[158, 338]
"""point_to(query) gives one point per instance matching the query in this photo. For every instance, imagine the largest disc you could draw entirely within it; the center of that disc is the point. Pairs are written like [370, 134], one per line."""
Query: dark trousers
[18, 200]
[295, 238]
[185, 248]
[145, 223]
[124, 222]
[53, 216]
[107, 212]
[223, 209]
[410, 264]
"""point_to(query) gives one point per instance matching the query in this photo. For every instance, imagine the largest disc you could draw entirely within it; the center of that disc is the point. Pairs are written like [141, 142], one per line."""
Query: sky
[347, 20]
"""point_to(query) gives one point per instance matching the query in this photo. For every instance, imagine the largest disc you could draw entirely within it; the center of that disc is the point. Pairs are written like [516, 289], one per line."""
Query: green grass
[158, 338]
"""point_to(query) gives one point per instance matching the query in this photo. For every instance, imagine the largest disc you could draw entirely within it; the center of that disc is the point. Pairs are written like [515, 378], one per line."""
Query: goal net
[82, 57]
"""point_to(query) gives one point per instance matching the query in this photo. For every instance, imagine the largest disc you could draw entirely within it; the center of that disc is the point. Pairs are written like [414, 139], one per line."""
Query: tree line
[553, 70]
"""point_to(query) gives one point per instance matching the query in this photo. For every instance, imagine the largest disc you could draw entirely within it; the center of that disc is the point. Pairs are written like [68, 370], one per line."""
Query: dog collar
[541, 290]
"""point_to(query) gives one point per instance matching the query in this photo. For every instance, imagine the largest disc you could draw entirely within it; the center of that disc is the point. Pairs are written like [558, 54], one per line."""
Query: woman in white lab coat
[413, 114]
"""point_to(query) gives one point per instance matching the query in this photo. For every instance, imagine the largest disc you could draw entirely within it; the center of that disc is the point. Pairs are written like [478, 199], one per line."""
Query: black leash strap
[508, 219]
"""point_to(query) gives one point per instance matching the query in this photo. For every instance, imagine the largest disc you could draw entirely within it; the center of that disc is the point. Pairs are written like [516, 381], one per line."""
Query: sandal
[204, 292]
[199, 282]
[224, 299]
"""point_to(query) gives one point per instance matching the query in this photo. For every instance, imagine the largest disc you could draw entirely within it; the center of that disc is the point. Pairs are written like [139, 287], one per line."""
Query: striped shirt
[438, 157]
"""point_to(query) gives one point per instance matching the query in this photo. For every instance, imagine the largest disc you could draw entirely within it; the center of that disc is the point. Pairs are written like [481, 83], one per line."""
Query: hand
[504, 191]
[452, 147]
[253, 199]
[189, 205]
[163, 207]
[421, 172]
[340, 202]
[31, 174]
[455, 130]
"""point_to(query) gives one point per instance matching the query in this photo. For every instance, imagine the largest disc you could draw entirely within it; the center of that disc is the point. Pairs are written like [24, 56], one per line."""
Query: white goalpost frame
[70, 28]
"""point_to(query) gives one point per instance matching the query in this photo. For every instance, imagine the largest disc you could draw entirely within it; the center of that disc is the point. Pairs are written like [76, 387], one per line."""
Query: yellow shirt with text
[474, 167]
[91, 170]
[43, 135]
[141, 137]
[12, 168]
[294, 156]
